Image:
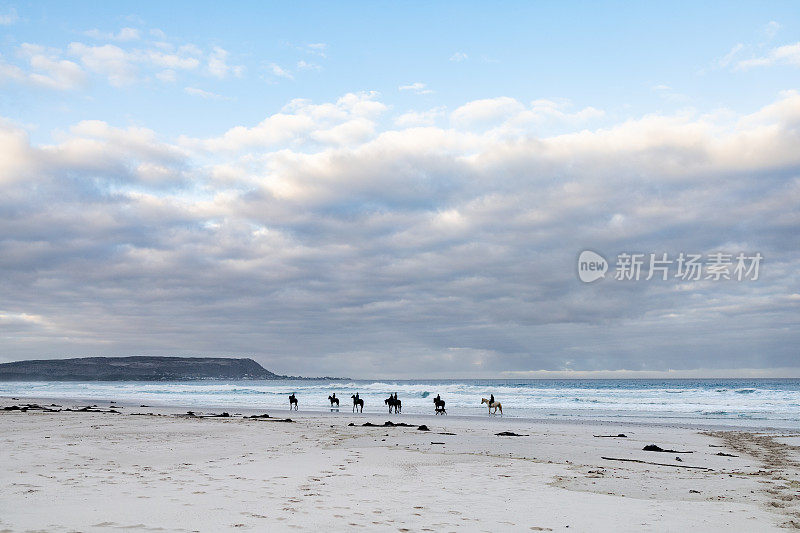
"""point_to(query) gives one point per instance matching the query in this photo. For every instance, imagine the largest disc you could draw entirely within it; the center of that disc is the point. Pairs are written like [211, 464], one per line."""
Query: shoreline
[700, 425]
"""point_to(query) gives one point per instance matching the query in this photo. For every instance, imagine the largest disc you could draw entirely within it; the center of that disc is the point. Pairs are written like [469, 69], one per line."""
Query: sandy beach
[147, 469]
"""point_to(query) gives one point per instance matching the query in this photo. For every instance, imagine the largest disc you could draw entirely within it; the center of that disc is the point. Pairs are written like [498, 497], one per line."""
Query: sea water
[744, 403]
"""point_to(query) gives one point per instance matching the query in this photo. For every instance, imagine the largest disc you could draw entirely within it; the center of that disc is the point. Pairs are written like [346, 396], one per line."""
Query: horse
[292, 402]
[495, 405]
[334, 400]
[439, 403]
[357, 402]
[394, 403]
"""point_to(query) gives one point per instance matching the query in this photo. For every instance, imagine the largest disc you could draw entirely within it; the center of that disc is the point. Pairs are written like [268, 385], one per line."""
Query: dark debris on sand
[656, 448]
[31, 407]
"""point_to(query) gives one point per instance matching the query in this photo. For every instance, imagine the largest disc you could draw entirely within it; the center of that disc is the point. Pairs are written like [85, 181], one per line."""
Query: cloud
[218, 64]
[109, 60]
[304, 65]
[120, 64]
[167, 76]
[486, 110]
[416, 88]
[278, 71]
[194, 91]
[782, 55]
[123, 35]
[420, 118]
[458, 57]
[172, 61]
[350, 118]
[728, 58]
[319, 49]
[45, 69]
[322, 242]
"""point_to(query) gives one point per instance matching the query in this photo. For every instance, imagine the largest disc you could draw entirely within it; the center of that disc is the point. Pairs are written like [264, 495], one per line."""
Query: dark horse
[292, 402]
[357, 402]
[439, 403]
[334, 400]
[394, 403]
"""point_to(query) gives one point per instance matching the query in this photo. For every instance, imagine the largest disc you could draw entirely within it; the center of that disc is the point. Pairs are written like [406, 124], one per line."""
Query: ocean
[741, 403]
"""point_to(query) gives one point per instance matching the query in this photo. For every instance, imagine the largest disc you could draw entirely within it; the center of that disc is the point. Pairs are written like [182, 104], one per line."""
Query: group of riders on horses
[396, 404]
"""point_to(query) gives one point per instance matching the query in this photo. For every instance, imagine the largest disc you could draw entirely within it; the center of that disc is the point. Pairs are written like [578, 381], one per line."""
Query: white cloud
[280, 72]
[486, 110]
[46, 69]
[416, 88]
[167, 76]
[194, 91]
[218, 64]
[172, 61]
[420, 118]
[349, 119]
[782, 55]
[120, 64]
[123, 35]
[459, 56]
[108, 60]
[728, 58]
[320, 49]
[304, 65]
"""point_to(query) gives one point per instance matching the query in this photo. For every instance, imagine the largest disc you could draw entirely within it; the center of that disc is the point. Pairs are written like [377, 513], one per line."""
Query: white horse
[495, 405]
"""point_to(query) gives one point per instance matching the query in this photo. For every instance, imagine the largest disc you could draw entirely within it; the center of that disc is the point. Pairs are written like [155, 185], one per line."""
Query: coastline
[145, 468]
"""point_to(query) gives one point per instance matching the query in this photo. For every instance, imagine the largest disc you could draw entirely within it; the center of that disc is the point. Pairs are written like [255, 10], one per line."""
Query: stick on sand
[657, 464]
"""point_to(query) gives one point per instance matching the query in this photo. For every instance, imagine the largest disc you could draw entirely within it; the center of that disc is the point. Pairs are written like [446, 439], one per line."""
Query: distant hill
[139, 368]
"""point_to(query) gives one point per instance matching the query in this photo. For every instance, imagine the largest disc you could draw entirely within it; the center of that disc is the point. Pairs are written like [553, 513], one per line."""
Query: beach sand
[133, 471]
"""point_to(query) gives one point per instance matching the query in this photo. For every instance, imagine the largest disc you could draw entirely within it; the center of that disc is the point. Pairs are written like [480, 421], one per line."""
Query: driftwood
[510, 434]
[91, 409]
[656, 464]
[387, 424]
[622, 435]
[656, 448]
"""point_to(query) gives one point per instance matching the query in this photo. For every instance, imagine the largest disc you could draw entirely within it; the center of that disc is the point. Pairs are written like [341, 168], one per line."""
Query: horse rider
[333, 397]
[491, 400]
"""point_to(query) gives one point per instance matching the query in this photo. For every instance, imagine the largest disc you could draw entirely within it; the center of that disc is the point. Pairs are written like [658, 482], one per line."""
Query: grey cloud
[418, 252]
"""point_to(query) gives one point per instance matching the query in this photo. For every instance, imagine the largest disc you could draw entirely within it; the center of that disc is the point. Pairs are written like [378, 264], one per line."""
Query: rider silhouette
[491, 400]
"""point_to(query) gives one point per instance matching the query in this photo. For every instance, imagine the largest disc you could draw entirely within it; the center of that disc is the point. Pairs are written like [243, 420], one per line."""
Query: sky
[401, 190]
